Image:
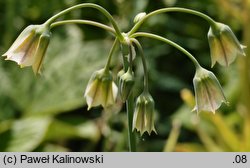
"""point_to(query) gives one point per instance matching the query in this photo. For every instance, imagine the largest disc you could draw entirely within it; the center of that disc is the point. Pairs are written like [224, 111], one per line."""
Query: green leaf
[27, 133]
[61, 130]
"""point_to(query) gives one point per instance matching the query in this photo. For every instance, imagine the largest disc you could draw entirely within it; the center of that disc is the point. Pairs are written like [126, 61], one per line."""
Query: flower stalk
[156, 37]
[131, 134]
[144, 64]
[88, 5]
[86, 22]
[112, 50]
[165, 10]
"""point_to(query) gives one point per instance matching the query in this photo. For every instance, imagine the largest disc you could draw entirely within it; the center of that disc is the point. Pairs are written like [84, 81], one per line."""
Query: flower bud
[224, 46]
[139, 17]
[30, 47]
[126, 84]
[101, 90]
[208, 91]
[143, 119]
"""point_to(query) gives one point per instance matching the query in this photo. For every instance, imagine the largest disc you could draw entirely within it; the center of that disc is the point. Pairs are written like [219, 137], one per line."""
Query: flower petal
[208, 92]
[22, 39]
[143, 119]
[40, 52]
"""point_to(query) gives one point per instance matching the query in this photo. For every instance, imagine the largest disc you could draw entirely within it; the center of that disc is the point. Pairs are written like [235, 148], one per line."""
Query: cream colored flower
[101, 90]
[208, 91]
[30, 47]
[224, 46]
[143, 120]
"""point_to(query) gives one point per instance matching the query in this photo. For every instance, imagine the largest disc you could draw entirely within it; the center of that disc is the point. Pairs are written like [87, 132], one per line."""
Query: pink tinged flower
[224, 46]
[101, 90]
[208, 91]
[143, 119]
[30, 47]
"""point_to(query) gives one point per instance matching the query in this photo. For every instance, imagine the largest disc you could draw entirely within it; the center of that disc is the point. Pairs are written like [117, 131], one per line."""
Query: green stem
[130, 59]
[144, 64]
[164, 10]
[106, 69]
[131, 135]
[129, 102]
[87, 22]
[125, 62]
[88, 5]
[153, 36]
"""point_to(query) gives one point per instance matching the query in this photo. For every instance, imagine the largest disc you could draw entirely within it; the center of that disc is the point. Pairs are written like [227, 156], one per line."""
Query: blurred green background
[49, 113]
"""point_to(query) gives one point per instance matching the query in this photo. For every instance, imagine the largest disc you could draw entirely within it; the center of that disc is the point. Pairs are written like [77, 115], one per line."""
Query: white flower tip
[89, 101]
[212, 65]
[89, 107]
[194, 109]
[243, 46]
[153, 130]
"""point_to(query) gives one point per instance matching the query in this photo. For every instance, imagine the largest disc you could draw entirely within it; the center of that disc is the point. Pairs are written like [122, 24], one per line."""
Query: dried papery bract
[101, 89]
[30, 47]
[224, 46]
[208, 91]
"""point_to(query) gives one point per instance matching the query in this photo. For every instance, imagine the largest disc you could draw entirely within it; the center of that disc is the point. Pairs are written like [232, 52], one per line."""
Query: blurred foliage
[48, 112]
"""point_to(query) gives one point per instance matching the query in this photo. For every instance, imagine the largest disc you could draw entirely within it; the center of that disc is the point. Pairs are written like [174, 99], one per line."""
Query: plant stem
[153, 36]
[88, 5]
[127, 65]
[87, 22]
[131, 135]
[130, 59]
[125, 62]
[164, 10]
[145, 68]
[106, 69]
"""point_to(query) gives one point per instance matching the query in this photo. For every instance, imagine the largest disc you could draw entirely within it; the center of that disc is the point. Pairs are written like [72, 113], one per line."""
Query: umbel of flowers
[30, 47]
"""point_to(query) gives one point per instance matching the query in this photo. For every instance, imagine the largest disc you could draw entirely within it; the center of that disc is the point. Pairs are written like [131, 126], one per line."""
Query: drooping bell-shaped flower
[126, 83]
[101, 90]
[208, 91]
[143, 119]
[30, 47]
[224, 46]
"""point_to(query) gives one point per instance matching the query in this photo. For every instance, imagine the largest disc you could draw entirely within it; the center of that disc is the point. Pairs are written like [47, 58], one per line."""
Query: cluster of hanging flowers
[30, 48]
[224, 48]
